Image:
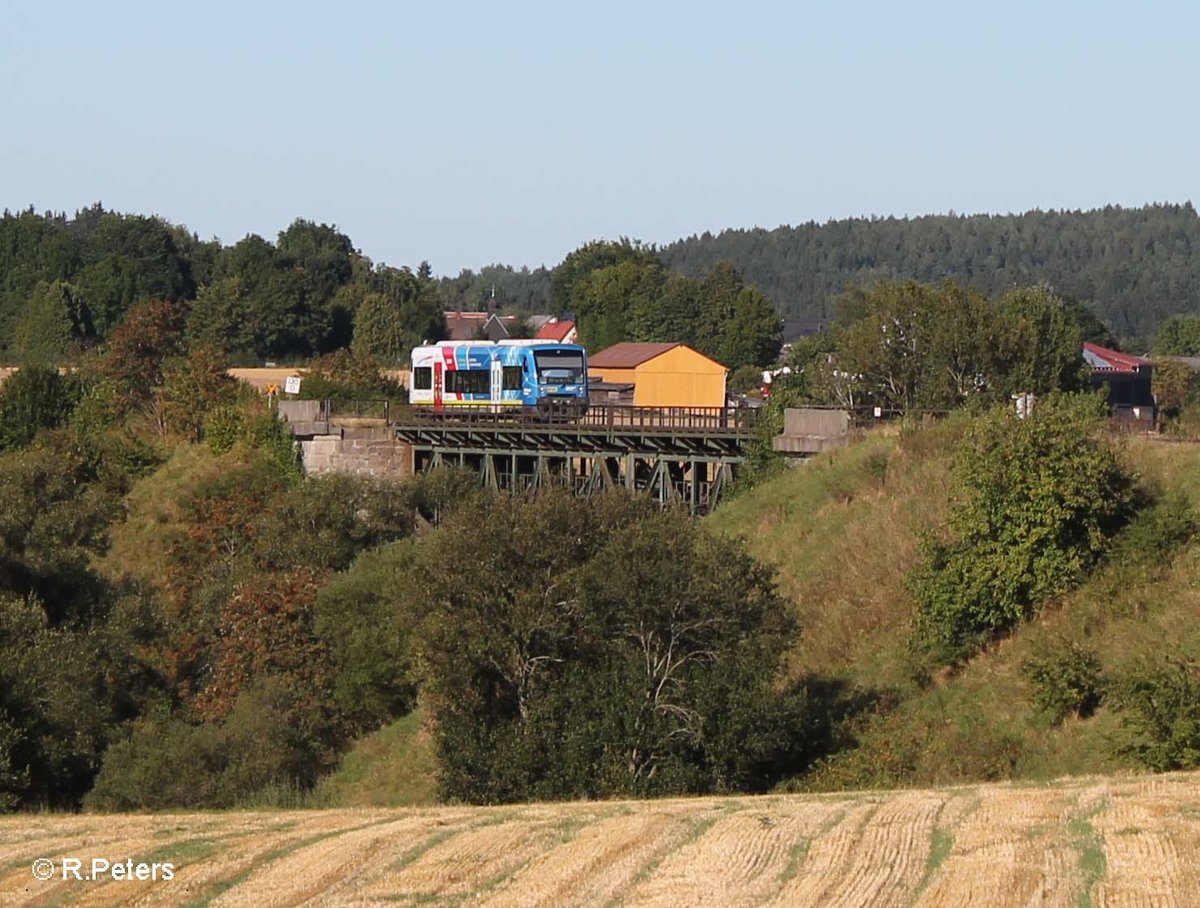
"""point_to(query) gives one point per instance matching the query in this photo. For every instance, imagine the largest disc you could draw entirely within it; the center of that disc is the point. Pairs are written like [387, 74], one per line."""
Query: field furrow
[739, 860]
[25, 890]
[827, 858]
[473, 858]
[330, 866]
[889, 859]
[597, 865]
[1004, 851]
[1141, 860]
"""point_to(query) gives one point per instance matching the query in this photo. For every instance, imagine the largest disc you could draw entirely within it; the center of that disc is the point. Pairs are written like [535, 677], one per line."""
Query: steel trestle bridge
[685, 456]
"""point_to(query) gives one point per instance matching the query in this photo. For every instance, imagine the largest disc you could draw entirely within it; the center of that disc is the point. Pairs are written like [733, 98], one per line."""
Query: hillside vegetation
[1123, 841]
[844, 531]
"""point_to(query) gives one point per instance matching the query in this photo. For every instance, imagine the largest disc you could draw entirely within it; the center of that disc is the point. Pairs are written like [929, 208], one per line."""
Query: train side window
[422, 378]
[512, 378]
[468, 381]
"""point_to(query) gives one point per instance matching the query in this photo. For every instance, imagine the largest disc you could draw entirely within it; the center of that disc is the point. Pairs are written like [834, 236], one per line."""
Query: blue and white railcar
[527, 375]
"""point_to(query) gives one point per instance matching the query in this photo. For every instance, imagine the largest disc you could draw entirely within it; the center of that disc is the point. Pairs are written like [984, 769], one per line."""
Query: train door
[497, 384]
[437, 386]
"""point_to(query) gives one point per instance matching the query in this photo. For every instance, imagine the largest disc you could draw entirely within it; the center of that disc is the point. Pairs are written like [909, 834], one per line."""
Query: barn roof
[1101, 359]
[627, 355]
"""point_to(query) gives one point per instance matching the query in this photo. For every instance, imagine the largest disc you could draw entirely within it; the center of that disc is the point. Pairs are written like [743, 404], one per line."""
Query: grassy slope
[843, 529]
[392, 767]
[842, 541]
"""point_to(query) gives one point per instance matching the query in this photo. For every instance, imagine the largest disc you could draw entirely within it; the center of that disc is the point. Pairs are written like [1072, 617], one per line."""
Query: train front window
[564, 367]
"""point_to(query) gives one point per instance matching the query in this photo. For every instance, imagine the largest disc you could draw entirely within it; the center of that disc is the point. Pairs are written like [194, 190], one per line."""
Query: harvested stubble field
[1096, 841]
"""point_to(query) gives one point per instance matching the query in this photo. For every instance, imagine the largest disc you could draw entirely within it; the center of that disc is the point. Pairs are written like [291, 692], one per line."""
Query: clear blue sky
[473, 133]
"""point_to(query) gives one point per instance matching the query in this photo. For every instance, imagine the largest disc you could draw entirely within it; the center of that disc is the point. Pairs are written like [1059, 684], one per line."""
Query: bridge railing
[334, 410]
[609, 416]
[672, 418]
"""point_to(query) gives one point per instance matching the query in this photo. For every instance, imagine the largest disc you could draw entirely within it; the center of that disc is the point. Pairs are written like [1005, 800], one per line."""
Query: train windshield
[562, 366]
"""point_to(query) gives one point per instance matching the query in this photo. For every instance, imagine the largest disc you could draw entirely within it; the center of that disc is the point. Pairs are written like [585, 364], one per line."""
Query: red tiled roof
[555, 330]
[627, 355]
[1101, 359]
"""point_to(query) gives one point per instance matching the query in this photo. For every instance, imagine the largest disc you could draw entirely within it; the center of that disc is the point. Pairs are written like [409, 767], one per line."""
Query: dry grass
[1092, 841]
[843, 530]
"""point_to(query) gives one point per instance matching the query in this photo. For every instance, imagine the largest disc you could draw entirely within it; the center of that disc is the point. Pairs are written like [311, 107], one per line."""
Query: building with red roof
[561, 331]
[1127, 379]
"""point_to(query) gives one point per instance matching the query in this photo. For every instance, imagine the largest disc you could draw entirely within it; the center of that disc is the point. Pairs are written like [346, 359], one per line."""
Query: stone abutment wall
[358, 451]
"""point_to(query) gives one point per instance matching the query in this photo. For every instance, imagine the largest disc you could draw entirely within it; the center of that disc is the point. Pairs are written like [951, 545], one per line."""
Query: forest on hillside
[305, 293]
[1133, 267]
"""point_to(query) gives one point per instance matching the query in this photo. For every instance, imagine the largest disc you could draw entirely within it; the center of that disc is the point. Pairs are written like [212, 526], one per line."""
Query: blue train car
[527, 376]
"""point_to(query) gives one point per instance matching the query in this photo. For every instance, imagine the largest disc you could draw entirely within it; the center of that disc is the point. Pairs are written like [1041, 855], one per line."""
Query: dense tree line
[65, 283]
[622, 292]
[500, 287]
[1133, 267]
[903, 345]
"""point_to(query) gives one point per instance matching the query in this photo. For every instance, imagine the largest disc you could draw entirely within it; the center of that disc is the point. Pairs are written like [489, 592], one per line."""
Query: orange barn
[662, 375]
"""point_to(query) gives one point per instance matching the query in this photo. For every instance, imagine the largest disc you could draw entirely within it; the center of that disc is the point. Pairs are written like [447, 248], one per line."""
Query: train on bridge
[531, 377]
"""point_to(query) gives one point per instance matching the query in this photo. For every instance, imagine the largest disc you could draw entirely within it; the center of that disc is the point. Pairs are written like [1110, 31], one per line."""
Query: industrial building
[660, 375]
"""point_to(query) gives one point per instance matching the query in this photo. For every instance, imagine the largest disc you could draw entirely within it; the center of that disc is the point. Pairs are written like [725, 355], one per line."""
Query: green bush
[1064, 679]
[161, 765]
[368, 617]
[1166, 523]
[325, 521]
[1161, 704]
[1041, 497]
[266, 744]
[34, 398]
[223, 427]
[876, 466]
[437, 493]
[268, 434]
